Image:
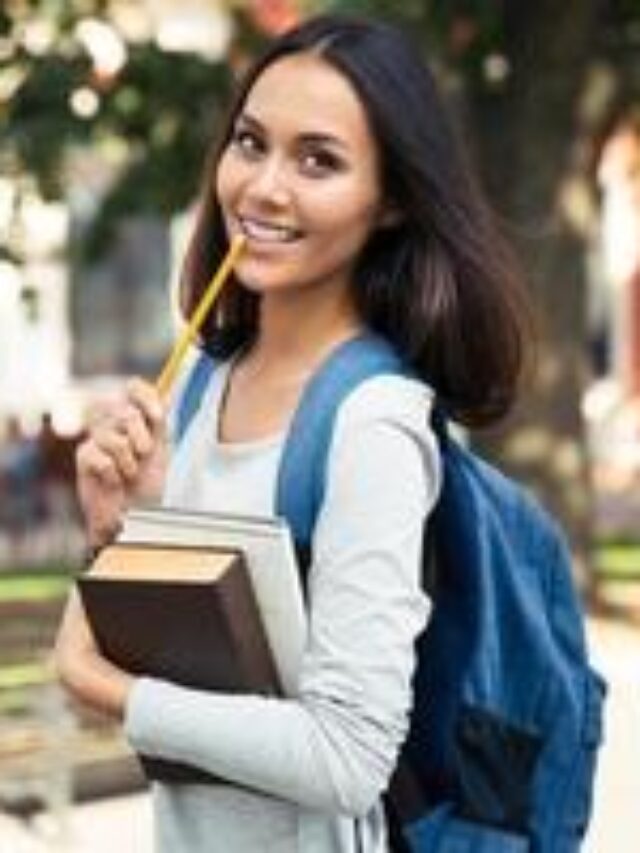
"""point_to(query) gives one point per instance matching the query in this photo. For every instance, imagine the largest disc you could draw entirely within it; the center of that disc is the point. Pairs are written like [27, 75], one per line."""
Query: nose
[269, 182]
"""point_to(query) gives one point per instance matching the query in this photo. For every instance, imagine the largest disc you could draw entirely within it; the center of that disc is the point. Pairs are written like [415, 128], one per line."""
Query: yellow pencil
[188, 334]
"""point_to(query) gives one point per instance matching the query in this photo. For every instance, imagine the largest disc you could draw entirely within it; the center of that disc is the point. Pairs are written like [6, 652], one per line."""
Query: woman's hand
[82, 670]
[123, 459]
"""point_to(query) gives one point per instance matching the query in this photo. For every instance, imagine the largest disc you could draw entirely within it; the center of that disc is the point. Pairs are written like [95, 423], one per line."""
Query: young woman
[339, 166]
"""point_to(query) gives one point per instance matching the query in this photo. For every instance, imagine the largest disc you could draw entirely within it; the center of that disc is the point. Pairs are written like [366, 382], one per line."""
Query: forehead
[306, 94]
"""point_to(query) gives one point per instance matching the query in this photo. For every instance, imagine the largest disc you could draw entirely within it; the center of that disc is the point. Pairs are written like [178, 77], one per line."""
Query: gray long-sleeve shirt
[308, 764]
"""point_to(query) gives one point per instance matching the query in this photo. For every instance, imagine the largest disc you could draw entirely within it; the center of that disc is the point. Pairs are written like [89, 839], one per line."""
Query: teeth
[268, 233]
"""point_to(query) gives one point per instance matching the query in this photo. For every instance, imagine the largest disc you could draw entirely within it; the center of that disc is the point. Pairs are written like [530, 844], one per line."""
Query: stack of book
[207, 601]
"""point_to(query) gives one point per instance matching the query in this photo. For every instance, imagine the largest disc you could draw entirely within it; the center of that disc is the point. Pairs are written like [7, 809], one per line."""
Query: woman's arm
[82, 670]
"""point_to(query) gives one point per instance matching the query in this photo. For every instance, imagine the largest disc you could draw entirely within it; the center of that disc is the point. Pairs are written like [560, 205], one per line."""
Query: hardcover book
[197, 599]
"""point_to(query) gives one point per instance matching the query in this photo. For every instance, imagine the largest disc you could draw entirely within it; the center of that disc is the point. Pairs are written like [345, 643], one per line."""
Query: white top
[314, 762]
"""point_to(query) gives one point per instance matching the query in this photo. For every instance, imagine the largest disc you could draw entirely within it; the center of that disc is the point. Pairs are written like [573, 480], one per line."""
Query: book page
[142, 562]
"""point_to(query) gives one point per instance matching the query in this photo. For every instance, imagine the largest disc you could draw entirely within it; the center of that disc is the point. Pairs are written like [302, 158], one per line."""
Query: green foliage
[160, 109]
[165, 108]
[38, 123]
[5, 23]
[626, 9]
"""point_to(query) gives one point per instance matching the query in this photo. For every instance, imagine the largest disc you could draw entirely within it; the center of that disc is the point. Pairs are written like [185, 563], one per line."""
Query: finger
[92, 461]
[145, 397]
[116, 444]
[104, 410]
[124, 416]
[134, 425]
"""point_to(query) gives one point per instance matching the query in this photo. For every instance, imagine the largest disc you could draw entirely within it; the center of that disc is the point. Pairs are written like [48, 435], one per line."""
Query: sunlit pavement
[124, 824]
[616, 817]
[120, 825]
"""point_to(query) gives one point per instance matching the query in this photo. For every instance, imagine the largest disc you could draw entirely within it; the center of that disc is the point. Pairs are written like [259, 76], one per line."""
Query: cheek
[349, 217]
[350, 202]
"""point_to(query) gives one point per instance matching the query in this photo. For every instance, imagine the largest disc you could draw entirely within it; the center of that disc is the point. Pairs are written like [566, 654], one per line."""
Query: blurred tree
[70, 78]
[535, 86]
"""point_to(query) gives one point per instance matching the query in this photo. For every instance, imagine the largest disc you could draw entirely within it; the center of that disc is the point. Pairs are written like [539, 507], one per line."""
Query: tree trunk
[526, 136]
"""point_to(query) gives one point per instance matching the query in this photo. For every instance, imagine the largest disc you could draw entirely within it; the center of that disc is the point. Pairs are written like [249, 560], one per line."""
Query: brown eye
[247, 143]
[317, 164]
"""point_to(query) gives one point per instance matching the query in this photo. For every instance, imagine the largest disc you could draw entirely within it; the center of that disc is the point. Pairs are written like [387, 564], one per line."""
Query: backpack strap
[302, 473]
[192, 393]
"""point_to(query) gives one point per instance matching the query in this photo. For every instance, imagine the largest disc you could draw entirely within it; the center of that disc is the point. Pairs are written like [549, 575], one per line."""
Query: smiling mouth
[267, 232]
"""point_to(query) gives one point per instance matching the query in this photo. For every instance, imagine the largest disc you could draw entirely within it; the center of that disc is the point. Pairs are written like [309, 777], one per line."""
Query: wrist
[97, 683]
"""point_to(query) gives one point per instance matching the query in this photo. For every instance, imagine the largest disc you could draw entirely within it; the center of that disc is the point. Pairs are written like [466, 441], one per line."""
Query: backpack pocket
[495, 763]
[579, 801]
[443, 832]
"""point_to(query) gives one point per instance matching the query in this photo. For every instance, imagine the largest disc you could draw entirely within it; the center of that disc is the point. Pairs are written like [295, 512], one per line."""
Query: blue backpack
[507, 712]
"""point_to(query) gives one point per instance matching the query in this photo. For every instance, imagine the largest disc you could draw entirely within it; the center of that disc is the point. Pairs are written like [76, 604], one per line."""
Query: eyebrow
[313, 137]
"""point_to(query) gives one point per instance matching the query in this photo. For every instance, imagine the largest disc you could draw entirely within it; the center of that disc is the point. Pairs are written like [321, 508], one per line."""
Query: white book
[268, 548]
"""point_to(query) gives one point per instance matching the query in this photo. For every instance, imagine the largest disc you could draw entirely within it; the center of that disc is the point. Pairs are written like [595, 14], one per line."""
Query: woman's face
[299, 178]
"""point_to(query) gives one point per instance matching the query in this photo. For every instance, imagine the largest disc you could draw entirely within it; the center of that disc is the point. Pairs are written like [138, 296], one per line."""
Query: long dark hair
[442, 285]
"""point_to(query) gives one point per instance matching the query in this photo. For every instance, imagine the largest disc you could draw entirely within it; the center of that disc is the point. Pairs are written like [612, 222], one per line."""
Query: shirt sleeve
[334, 747]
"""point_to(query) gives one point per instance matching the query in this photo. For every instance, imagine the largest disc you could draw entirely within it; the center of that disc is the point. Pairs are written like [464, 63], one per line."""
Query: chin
[262, 284]
[264, 278]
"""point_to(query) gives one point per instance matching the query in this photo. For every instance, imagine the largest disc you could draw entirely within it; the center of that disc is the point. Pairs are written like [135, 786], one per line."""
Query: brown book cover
[185, 614]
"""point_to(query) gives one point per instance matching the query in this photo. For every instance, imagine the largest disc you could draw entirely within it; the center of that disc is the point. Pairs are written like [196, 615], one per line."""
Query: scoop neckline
[234, 448]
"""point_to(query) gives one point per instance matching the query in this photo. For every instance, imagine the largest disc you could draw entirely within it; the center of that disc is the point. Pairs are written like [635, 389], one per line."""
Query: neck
[298, 329]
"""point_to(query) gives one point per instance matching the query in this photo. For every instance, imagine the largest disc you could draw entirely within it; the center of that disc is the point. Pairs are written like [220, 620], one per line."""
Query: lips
[263, 231]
